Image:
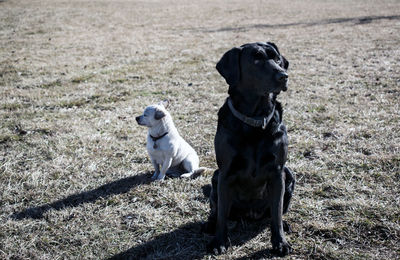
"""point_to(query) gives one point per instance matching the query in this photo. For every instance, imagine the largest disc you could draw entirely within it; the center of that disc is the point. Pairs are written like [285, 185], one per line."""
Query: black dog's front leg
[277, 188]
[290, 182]
[218, 244]
[210, 225]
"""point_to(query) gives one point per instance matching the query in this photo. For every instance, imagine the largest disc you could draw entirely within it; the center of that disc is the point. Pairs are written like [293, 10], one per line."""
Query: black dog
[251, 145]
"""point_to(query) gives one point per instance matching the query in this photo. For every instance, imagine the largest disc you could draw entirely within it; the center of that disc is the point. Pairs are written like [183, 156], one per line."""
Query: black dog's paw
[216, 247]
[208, 227]
[281, 248]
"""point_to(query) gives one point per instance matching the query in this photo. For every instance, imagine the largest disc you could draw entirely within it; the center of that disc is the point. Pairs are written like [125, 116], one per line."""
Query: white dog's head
[153, 114]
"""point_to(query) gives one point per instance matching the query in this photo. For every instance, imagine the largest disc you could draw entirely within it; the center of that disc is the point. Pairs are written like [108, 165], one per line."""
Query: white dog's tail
[194, 174]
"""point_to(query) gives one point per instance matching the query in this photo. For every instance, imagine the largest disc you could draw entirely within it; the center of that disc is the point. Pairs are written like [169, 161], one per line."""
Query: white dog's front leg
[166, 164]
[156, 169]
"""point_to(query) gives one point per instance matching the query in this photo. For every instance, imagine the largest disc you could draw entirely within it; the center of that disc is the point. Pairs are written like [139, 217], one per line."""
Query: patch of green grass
[119, 80]
[11, 106]
[82, 78]
[56, 83]
[9, 138]
[74, 103]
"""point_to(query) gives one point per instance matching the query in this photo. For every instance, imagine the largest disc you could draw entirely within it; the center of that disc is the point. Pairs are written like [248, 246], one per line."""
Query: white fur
[171, 150]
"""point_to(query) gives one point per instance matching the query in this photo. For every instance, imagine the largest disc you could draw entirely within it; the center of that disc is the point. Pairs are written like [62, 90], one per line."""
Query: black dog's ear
[285, 63]
[229, 66]
[159, 114]
[275, 47]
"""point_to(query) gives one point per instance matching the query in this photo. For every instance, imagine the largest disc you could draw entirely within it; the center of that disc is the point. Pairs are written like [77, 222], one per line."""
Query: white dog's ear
[164, 103]
[159, 114]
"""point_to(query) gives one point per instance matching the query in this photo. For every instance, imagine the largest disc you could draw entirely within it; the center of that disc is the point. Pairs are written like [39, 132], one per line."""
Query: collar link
[251, 121]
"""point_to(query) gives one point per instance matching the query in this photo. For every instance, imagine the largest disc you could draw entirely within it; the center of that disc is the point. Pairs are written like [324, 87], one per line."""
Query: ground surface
[73, 165]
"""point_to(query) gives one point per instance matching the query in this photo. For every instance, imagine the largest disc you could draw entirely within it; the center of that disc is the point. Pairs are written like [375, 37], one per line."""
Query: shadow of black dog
[189, 242]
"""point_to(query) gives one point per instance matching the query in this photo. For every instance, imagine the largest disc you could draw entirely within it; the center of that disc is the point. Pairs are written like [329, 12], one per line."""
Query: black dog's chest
[252, 167]
[253, 156]
[249, 156]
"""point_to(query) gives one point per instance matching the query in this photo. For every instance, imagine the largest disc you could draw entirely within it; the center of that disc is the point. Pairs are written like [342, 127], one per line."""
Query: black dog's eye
[259, 56]
[273, 55]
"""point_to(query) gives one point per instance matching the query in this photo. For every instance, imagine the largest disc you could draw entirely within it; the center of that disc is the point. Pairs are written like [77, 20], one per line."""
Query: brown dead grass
[73, 163]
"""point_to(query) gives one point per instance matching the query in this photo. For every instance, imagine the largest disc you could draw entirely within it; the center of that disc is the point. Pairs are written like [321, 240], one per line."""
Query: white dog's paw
[160, 177]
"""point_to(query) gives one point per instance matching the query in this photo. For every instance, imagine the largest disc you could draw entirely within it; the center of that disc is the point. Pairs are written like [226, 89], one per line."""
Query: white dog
[165, 146]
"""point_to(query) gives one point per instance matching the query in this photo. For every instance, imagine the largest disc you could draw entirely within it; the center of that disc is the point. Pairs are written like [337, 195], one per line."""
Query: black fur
[252, 180]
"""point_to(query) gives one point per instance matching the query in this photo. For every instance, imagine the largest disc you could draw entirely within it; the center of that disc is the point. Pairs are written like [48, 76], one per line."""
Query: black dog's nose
[137, 119]
[282, 76]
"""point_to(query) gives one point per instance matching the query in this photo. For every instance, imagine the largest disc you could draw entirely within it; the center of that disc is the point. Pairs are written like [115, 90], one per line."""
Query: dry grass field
[74, 171]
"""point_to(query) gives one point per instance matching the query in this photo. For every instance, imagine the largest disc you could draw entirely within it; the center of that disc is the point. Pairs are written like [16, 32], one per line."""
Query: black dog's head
[258, 68]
